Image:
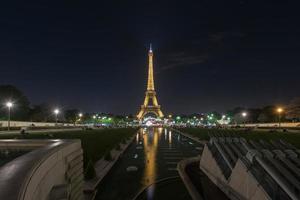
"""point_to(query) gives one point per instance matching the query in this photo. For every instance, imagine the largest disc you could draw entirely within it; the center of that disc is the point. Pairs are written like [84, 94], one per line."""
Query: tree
[21, 108]
[293, 109]
[41, 113]
[71, 115]
[236, 114]
[268, 114]
[253, 114]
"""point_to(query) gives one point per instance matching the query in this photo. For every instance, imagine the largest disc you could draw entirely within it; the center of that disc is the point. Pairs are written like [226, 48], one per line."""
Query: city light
[279, 110]
[80, 114]
[244, 114]
[9, 104]
[56, 111]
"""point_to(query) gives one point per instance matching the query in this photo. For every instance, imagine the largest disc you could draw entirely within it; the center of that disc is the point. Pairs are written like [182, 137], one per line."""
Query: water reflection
[166, 133]
[170, 139]
[150, 149]
[155, 152]
[137, 137]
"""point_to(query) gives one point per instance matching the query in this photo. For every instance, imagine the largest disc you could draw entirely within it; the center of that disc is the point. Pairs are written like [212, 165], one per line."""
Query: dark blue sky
[209, 54]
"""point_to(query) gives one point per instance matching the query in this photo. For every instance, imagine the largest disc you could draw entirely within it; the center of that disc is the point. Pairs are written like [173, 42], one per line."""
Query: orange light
[279, 110]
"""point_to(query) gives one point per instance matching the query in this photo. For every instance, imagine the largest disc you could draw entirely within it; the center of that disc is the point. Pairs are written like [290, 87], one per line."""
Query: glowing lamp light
[56, 111]
[279, 110]
[9, 104]
[80, 114]
[244, 114]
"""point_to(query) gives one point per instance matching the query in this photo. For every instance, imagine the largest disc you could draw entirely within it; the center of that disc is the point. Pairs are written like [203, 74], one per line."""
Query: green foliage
[293, 109]
[204, 134]
[118, 147]
[108, 156]
[90, 172]
[41, 113]
[95, 143]
[71, 115]
[22, 106]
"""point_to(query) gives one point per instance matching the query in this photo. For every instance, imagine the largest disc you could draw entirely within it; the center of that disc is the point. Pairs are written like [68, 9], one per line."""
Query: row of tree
[291, 113]
[23, 110]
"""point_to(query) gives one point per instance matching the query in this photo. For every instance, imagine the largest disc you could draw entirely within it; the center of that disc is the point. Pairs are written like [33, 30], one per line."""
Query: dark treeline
[24, 110]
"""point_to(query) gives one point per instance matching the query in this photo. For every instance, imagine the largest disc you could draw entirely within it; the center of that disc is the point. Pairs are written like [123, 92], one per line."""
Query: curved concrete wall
[54, 171]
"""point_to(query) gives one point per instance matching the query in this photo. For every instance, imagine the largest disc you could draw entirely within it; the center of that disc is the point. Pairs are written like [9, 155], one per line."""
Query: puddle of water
[155, 152]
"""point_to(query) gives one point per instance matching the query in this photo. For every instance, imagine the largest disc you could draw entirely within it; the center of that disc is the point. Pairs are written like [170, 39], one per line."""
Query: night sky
[208, 54]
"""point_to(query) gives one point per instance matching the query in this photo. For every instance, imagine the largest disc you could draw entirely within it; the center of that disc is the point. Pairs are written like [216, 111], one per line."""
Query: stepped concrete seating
[253, 169]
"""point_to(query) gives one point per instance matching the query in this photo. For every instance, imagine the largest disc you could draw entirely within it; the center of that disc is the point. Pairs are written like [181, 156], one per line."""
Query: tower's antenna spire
[150, 50]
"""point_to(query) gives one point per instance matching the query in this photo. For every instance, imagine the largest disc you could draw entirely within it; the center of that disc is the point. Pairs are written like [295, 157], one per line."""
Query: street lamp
[80, 115]
[279, 111]
[9, 104]
[56, 112]
[244, 114]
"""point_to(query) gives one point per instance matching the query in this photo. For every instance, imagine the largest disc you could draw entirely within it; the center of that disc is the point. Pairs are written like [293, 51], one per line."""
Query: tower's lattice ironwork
[150, 103]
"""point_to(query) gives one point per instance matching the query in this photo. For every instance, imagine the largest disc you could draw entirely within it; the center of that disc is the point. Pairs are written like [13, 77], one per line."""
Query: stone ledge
[181, 166]
[102, 167]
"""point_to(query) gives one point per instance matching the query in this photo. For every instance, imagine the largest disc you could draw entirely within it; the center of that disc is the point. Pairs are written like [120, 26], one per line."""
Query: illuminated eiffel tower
[150, 105]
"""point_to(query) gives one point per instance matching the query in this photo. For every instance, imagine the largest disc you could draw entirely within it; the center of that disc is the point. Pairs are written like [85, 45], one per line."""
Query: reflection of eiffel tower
[150, 103]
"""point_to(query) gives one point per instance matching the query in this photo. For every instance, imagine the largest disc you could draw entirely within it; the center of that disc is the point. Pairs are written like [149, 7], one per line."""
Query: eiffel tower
[150, 105]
